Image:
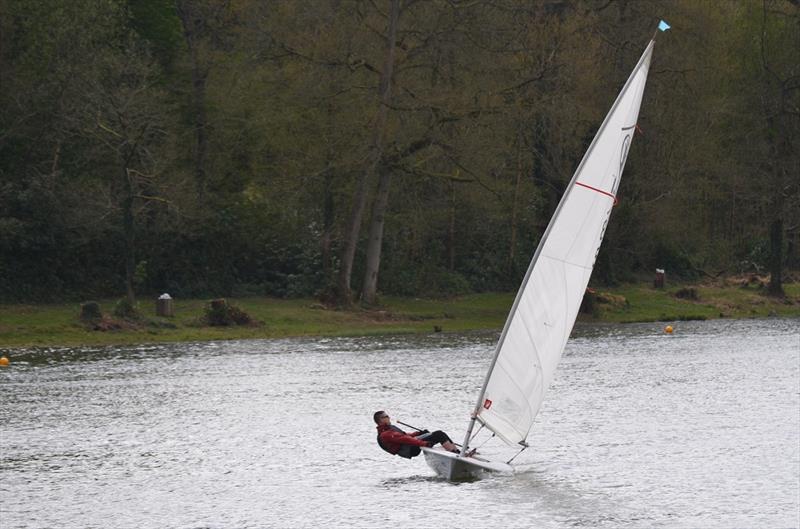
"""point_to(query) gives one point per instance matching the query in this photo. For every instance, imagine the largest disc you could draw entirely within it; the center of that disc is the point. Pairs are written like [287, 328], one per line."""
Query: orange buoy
[3, 361]
[668, 329]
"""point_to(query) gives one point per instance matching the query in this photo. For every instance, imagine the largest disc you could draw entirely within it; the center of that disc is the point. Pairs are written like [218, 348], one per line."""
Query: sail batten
[546, 306]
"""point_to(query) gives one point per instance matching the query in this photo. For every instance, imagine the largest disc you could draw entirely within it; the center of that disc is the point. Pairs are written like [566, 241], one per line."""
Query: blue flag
[663, 26]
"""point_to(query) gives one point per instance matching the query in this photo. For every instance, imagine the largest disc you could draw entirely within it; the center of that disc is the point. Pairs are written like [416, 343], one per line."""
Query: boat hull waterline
[452, 466]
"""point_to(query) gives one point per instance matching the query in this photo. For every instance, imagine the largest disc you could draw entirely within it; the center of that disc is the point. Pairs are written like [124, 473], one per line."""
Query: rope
[518, 453]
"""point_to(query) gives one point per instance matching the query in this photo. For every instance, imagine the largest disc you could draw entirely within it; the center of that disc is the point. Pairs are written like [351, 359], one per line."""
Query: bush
[126, 310]
[94, 320]
[687, 293]
[588, 303]
[674, 260]
[90, 312]
[444, 282]
[425, 281]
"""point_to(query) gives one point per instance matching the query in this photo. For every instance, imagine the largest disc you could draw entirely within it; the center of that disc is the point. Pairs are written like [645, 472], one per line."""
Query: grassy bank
[58, 325]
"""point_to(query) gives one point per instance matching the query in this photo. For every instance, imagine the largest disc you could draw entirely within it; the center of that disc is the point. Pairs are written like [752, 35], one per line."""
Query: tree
[122, 120]
[780, 102]
[73, 110]
[194, 19]
[767, 120]
[374, 156]
[285, 150]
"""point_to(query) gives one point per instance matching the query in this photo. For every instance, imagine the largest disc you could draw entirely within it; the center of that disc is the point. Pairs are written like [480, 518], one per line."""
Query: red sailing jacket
[391, 438]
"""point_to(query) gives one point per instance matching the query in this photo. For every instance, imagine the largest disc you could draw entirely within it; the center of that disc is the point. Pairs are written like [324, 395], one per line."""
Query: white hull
[454, 467]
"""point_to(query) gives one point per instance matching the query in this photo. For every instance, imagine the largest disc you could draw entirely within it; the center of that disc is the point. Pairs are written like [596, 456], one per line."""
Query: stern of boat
[454, 467]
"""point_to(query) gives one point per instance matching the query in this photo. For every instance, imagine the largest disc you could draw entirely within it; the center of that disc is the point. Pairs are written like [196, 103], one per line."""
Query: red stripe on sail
[598, 190]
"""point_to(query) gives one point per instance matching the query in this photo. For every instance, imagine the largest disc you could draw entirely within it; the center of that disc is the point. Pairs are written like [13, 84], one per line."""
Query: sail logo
[623, 156]
[626, 145]
[487, 404]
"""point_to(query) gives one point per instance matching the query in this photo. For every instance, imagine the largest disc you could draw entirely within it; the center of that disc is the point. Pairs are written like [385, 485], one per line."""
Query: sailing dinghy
[548, 300]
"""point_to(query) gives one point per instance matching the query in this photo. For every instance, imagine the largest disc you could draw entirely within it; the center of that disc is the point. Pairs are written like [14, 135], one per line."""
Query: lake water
[640, 429]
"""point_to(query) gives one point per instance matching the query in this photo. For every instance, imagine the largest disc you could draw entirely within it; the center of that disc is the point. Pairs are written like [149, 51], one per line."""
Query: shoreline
[57, 325]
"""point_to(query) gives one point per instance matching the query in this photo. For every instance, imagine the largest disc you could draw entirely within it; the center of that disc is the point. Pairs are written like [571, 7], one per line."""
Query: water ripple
[640, 429]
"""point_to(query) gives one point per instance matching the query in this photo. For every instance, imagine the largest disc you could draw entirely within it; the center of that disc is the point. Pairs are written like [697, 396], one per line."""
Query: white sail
[547, 303]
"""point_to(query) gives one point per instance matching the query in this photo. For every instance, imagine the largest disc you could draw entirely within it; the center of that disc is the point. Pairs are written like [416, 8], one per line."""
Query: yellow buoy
[3, 361]
[668, 329]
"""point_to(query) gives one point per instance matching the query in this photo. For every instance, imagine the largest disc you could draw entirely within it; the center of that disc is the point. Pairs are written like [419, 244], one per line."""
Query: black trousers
[437, 437]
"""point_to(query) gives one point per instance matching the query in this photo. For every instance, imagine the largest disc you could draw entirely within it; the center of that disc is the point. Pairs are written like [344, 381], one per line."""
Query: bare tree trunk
[375, 242]
[200, 126]
[192, 22]
[782, 153]
[776, 258]
[128, 234]
[774, 103]
[328, 205]
[514, 206]
[351, 238]
[327, 224]
[375, 155]
[451, 240]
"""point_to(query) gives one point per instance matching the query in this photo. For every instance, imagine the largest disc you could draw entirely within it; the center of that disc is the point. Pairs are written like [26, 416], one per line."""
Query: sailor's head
[380, 417]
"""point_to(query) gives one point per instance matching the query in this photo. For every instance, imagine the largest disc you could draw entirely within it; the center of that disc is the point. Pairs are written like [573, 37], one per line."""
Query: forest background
[346, 148]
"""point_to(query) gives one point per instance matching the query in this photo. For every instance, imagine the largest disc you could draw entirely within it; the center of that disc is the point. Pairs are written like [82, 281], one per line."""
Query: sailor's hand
[429, 444]
[424, 432]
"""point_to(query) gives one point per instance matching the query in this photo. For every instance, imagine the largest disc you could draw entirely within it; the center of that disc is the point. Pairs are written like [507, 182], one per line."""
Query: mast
[475, 414]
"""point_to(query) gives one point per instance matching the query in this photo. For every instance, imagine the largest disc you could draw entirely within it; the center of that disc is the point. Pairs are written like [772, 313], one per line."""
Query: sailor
[397, 442]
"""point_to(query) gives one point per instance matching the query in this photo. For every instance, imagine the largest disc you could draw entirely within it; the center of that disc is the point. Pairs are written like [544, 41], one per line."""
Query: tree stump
[165, 307]
[90, 312]
[588, 302]
[221, 313]
[658, 282]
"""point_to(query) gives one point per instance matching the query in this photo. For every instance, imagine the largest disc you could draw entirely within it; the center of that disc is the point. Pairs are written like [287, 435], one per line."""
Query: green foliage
[90, 312]
[589, 304]
[755, 258]
[126, 310]
[140, 274]
[427, 282]
[673, 260]
[157, 21]
[493, 105]
[54, 324]
[687, 293]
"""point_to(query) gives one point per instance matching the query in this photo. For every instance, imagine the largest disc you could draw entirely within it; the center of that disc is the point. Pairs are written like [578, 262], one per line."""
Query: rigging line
[479, 431]
[486, 441]
[518, 453]
[599, 191]
[564, 261]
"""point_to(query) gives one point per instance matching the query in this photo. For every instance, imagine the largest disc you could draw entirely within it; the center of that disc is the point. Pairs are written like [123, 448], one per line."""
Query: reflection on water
[394, 482]
[640, 429]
